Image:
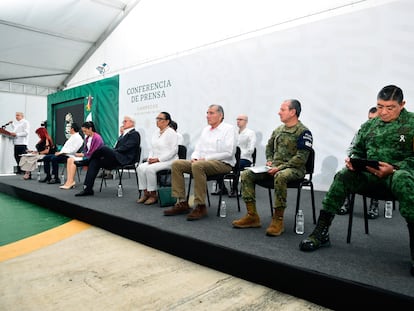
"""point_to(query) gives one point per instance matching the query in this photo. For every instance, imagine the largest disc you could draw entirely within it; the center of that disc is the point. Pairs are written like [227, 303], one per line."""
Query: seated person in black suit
[125, 152]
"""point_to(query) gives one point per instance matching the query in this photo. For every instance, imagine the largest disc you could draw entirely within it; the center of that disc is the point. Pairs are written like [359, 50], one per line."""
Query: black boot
[46, 179]
[54, 180]
[320, 235]
[411, 232]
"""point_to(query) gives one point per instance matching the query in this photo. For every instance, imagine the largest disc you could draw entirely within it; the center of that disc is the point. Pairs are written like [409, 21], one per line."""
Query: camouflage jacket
[390, 142]
[288, 147]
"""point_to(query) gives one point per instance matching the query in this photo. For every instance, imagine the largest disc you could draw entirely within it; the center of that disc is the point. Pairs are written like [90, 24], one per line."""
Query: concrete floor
[97, 270]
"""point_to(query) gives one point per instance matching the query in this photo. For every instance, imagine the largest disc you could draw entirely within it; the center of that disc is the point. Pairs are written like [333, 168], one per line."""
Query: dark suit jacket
[127, 146]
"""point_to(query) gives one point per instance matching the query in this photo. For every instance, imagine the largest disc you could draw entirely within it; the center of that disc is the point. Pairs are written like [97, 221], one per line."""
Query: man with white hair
[125, 152]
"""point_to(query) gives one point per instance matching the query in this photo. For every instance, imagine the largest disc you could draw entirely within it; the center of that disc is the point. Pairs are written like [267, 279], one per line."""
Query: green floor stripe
[20, 219]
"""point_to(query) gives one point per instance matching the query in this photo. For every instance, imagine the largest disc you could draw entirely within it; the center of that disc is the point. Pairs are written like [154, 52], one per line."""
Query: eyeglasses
[159, 119]
[240, 119]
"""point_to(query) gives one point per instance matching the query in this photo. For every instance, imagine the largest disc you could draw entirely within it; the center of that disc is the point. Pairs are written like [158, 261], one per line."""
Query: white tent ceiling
[45, 42]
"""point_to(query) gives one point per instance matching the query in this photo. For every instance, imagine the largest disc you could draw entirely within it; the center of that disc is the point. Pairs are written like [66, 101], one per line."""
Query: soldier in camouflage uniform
[286, 154]
[388, 138]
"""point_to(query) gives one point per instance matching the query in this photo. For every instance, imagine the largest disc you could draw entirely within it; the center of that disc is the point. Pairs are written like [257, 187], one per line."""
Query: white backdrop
[335, 67]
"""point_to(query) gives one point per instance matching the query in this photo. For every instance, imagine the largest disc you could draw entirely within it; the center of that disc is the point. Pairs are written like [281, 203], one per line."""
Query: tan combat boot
[144, 197]
[250, 220]
[276, 227]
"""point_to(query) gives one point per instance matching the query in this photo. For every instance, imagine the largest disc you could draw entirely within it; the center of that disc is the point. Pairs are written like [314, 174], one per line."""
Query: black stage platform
[371, 271]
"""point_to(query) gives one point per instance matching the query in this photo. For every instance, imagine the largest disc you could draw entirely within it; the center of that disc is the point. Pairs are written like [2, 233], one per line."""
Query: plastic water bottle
[120, 193]
[388, 209]
[62, 179]
[300, 222]
[213, 187]
[38, 175]
[223, 209]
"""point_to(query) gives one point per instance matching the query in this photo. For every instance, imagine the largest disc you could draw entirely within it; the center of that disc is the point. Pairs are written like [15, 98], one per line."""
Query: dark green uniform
[390, 142]
[288, 149]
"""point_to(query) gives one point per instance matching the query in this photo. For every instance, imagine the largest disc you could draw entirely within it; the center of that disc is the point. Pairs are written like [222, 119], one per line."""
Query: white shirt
[246, 141]
[217, 144]
[72, 145]
[164, 146]
[21, 128]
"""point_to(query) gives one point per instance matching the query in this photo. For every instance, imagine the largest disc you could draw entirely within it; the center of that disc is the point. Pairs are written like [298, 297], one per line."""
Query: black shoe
[54, 181]
[46, 179]
[232, 194]
[344, 209]
[84, 193]
[224, 191]
[108, 176]
[373, 212]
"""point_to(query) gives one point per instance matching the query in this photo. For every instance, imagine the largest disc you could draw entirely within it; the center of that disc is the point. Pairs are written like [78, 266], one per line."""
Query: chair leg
[351, 199]
[189, 187]
[313, 204]
[297, 206]
[102, 180]
[270, 200]
[365, 214]
[221, 186]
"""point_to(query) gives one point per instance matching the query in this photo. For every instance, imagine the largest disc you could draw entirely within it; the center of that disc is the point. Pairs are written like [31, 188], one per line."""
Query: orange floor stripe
[40, 240]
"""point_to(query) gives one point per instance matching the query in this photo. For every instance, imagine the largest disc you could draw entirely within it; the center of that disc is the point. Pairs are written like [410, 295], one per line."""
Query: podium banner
[6, 152]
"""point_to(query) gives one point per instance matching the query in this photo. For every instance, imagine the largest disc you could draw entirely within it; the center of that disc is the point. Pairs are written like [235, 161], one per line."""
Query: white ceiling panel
[44, 42]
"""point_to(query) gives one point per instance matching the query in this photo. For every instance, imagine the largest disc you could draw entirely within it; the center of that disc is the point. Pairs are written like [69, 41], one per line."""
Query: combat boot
[276, 227]
[250, 220]
[410, 226]
[320, 235]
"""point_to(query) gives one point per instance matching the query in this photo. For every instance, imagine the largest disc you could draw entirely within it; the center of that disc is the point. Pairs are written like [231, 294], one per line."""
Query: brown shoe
[144, 197]
[198, 212]
[153, 198]
[178, 209]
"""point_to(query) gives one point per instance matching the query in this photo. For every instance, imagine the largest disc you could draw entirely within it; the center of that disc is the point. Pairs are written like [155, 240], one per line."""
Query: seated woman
[164, 150]
[44, 146]
[92, 142]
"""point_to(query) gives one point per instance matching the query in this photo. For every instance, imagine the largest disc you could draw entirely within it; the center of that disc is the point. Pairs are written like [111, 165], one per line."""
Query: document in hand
[259, 169]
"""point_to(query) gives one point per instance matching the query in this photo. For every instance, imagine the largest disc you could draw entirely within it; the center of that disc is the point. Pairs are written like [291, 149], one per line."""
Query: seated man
[286, 154]
[125, 152]
[214, 153]
[246, 140]
[388, 139]
[71, 146]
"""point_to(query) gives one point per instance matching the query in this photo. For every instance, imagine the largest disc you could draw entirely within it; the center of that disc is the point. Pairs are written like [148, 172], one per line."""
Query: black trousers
[18, 151]
[104, 157]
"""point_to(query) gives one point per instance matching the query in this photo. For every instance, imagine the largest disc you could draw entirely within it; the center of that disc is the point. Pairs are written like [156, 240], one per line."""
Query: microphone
[6, 124]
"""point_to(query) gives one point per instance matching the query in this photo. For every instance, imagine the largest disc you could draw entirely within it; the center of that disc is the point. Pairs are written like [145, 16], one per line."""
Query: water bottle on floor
[300, 222]
[223, 209]
[120, 193]
[213, 187]
[62, 179]
[388, 209]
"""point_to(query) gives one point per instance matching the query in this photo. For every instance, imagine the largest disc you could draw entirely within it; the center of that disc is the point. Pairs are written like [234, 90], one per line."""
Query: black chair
[306, 181]
[219, 178]
[164, 176]
[120, 170]
[254, 154]
[378, 194]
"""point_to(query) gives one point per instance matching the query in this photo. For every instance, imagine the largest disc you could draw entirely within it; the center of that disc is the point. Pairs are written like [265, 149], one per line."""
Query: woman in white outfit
[164, 150]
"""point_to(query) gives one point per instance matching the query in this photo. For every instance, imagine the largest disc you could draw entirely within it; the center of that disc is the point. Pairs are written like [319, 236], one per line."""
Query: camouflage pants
[280, 180]
[400, 184]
